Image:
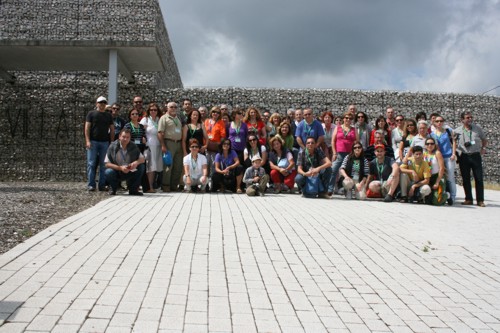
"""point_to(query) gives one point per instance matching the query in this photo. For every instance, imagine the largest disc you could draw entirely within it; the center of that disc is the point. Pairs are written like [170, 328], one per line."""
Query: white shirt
[195, 167]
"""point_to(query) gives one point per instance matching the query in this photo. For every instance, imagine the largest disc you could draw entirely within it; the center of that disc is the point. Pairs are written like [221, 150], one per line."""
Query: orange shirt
[216, 132]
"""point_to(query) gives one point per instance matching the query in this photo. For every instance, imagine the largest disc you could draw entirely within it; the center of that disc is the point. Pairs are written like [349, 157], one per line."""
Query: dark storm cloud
[278, 42]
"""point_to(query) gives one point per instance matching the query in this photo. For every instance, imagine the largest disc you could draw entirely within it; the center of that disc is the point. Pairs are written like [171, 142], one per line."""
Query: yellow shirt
[423, 171]
[171, 127]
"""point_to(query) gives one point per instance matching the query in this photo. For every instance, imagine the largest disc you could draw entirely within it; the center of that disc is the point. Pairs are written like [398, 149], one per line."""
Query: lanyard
[309, 158]
[237, 129]
[308, 128]
[155, 123]
[346, 133]
[135, 130]
[470, 133]
[380, 169]
[193, 165]
[192, 131]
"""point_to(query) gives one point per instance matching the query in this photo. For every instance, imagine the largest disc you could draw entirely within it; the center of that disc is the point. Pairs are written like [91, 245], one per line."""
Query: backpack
[313, 187]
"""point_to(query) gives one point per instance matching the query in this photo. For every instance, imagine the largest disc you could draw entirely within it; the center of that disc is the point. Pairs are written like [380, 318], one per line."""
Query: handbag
[283, 163]
[313, 187]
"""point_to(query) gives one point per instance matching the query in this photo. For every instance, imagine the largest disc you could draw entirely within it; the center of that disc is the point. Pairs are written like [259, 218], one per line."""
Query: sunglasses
[361, 116]
[216, 112]
[309, 143]
[350, 118]
[439, 121]
[398, 120]
[194, 147]
[134, 114]
[358, 147]
[429, 143]
[252, 140]
[102, 102]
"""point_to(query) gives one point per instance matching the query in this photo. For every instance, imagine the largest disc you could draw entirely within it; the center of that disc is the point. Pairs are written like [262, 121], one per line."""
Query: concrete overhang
[40, 55]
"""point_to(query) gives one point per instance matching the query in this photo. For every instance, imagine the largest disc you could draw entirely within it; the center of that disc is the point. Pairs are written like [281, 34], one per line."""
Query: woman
[138, 136]
[381, 124]
[328, 127]
[216, 131]
[282, 166]
[363, 128]
[154, 161]
[228, 172]
[355, 170]
[255, 148]
[407, 141]
[255, 124]
[137, 130]
[343, 138]
[422, 134]
[275, 121]
[397, 135]
[447, 146]
[195, 168]
[227, 120]
[237, 134]
[194, 129]
[436, 163]
[285, 134]
[337, 121]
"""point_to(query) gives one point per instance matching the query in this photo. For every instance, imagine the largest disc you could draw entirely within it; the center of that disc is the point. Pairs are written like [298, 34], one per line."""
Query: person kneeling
[124, 161]
[355, 170]
[384, 176]
[195, 168]
[415, 177]
[255, 178]
[314, 171]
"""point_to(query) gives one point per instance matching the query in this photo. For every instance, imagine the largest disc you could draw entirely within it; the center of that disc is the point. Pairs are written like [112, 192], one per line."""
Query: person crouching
[256, 178]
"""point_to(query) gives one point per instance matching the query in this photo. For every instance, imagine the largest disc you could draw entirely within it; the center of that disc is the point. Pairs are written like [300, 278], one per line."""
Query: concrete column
[113, 77]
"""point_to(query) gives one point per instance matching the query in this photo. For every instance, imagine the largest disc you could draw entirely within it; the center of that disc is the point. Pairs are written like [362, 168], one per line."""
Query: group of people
[408, 159]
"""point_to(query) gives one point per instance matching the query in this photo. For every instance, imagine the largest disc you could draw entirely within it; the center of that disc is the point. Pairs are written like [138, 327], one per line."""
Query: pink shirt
[344, 142]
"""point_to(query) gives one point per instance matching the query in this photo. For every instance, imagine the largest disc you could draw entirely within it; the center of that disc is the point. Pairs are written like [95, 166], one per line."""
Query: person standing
[309, 127]
[471, 145]
[118, 121]
[137, 103]
[99, 132]
[170, 136]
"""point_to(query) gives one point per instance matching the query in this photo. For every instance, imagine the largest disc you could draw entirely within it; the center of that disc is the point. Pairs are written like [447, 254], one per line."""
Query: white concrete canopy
[42, 55]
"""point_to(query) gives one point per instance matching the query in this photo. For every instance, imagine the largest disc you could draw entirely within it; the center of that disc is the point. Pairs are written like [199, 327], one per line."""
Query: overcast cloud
[425, 45]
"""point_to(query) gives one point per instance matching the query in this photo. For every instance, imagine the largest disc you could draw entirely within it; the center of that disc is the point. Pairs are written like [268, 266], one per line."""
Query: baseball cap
[101, 99]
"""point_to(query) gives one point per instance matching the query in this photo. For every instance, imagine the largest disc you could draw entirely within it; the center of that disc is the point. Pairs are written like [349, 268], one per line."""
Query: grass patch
[489, 186]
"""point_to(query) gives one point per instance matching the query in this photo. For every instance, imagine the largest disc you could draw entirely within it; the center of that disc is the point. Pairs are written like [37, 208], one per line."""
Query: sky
[403, 45]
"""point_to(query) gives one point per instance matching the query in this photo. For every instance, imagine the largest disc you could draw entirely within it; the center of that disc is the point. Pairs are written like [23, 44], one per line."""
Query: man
[170, 136]
[203, 113]
[99, 131]
[383, 179]
[471, 145]
[390, 118]
[312, 162]
[124, 161]
[309, 127]
[378, 140]
[290, 113]
[293, 127]
[138, 105]
[224, 109]
[118, 121]
[352, 110]
[415, 177]
[187, 105]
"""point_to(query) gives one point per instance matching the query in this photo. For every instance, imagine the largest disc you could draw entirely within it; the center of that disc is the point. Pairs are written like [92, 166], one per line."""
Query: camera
[467, 144]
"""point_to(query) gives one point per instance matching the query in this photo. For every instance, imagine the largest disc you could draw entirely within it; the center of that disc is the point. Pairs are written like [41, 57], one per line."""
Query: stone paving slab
[281, 263]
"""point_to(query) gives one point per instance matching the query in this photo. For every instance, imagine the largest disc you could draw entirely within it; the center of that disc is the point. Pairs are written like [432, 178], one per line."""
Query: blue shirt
[304, 130]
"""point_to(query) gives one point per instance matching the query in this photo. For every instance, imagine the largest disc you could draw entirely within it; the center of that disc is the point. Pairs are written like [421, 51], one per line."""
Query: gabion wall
[91, 20]
[42, 117]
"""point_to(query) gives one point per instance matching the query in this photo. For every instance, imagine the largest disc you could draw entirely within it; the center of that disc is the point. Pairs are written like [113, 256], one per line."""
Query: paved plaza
[182, 262]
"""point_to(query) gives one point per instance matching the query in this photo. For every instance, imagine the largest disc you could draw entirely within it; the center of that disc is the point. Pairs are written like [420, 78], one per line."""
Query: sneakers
[135, 193]
[324, 195]
[91, 189]
[388, 198]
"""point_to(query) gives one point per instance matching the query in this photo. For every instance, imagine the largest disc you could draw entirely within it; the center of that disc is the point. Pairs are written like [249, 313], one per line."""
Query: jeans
[95, 155]
[450, 177]
[133, 178]
[325, 175]
[467, 163]
[335, 170]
